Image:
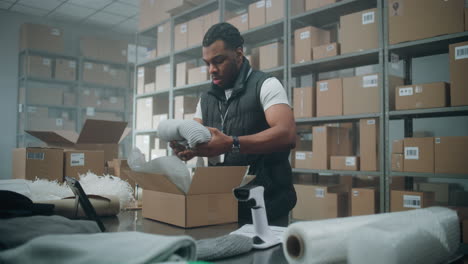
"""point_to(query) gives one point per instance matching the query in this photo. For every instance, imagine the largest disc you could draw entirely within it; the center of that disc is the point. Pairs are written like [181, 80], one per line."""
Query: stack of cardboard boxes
[261, 13]
[190, 33]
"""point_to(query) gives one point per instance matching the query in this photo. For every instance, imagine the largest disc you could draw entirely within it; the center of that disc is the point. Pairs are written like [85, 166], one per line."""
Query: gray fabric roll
[17, 231]
[122, 247]
[223, 247]
[184, 130]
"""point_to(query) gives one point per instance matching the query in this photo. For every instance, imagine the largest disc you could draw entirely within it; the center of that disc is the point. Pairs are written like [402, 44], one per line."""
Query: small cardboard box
[41, 37]
[37, 66]
[111, 50]
[65, 70]
[320, 202]
[330, 141]
[180, 36]
[271, 55]
[361, 94]
[364, 201]
[359, 31]
[409, 200]
[369, 144]
[407, 22]
[330, 97]
[297, 7]
[458, 77]
[195, 31]
[441, 191]
[241, 22]
[325, 51]
[304, 102]
[43, 163]
[419, 154]
[182, 73]
[45, 96]
[95, 135]
[350, 163]
[198, 75]
[209, 201]
[303, 159]
[429, 95]
[78, 162]
[451, 154]
[397, 162]
[163, 80]
[69, 99]
[307, 38]
[257, 14]
[163, 41]
[274, 10]
[397, 146]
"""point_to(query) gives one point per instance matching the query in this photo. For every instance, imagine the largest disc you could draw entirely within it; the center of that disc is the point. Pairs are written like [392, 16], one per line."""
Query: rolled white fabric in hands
[184, 130]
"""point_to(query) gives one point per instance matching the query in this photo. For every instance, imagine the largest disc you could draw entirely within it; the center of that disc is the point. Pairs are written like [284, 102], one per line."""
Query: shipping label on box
[303, 159]
[419, 154]
[81, 162]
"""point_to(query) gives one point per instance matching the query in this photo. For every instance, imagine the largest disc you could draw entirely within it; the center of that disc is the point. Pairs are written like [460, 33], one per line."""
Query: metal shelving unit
[329, 119]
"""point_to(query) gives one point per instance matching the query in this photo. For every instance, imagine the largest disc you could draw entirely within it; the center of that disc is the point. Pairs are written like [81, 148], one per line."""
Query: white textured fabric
[121, 247]
[330, 241]
[184, 130]
[223, 247]
[271, 93]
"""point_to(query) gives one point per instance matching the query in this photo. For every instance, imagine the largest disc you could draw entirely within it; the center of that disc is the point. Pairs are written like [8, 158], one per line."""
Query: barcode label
[437, 140]
[330, 48]
[46, 62]
[35, 155]
[461, 52]
[59, 122]
[370, 81]
[412, 153]
[319, 192]
[55, 32]
[77, 159]
[418, 89]
[203, 69]
[371, 122]
[183, 28]
[88, 66]
[304, 35]
[72, 64]
[268, 3]
[244, 18]
[160, 29]
[323, 86]
[405, 91]
[149, 102]
[90, 111]
[411, 201]
[355, 193]
[300, 156]
[260, 4]
[368, 18]
[350, 161]
[141, 72]
[113, 100]
[20, 108]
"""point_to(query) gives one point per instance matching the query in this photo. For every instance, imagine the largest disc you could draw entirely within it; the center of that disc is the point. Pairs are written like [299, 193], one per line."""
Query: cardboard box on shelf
[195, 31]
[94, 73]
[111, 50]
[257, 14]
[361, 94]
[303, 159]
[90, 98]
[142, 142]
[116, 103]
[274, 10]
[198, 75]
[409, 200]
[43, 163]
[65, 69]
[118, 78]
[329, 141]
[151, 13]
[458, 78]
[184, 105]
[304, 102]
[441, 191]
[369, 144]
[364, 201]
[41, 37]
[145, 79]
[429, 95]
[397, 162]
[77, 162]
[359, 31]
[307, 38]
[163, 80]
[271, 55]
[320, 202]
[397, 146]
[406, 22]
[157, 119]
[241, 22]
[313, 4]
[144, 114]
[69, 99]
[180, 36]
[419, 154]
[37, 66]
[350, 163]
[204, 204]
[45, 96]
[163, 41]
[182, 73]
[330, 97]
[450, 154]
[325, 51]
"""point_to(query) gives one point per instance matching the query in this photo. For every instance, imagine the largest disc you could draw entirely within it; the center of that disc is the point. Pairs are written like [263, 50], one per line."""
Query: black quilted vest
[245, 116]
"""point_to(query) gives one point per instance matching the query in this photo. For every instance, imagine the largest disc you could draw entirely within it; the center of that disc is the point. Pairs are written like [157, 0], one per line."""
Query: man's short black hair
[226, 32]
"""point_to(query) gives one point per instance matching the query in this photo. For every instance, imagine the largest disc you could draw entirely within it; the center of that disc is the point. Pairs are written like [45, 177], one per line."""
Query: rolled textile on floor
[326, 241]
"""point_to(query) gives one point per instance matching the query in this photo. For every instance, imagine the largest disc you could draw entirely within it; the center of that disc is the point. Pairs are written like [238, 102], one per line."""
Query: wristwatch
[235, 144]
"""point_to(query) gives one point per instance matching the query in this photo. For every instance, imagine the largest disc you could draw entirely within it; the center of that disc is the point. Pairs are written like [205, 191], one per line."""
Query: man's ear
[240, 54]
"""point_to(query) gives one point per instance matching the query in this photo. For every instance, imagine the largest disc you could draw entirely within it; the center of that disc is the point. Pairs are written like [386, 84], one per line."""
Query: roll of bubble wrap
[330, 241]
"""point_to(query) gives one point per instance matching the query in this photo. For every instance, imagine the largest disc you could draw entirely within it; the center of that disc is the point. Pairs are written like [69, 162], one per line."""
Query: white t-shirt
[271, 93]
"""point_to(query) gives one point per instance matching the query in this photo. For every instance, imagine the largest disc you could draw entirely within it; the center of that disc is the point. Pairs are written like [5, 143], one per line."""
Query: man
[250, 120]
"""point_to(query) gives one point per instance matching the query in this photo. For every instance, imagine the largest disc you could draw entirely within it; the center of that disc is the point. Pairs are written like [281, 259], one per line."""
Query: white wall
[10, 23]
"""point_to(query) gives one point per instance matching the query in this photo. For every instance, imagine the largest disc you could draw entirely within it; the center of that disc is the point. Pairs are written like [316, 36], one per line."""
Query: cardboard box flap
[56, 137]
[101, 132]
[216, 179]
[125, 134]
[153, 182]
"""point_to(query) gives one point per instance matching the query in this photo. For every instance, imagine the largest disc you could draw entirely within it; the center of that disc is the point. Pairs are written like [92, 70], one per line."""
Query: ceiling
[116, 15]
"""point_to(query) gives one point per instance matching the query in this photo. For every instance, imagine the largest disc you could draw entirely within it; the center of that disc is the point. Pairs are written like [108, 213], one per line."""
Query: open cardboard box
[95, 135]
[209, 201]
